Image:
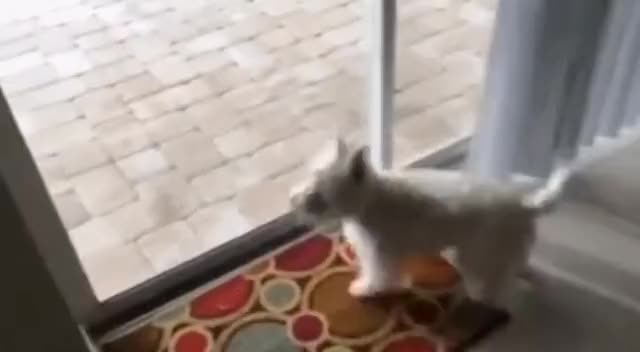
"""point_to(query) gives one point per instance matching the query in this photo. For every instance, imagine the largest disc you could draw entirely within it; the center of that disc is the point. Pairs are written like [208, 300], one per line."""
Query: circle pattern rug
[296, 299]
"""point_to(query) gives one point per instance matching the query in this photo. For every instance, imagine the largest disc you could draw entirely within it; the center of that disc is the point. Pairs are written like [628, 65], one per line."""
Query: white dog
[388, 216]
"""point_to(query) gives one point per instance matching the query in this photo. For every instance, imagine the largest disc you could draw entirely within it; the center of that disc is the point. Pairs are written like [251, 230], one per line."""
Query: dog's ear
[359, 165]
[340, 147]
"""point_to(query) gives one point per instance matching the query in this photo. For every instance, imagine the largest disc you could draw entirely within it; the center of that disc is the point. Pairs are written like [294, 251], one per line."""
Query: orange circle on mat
[348, 317]
[429, 271]
[432, 272]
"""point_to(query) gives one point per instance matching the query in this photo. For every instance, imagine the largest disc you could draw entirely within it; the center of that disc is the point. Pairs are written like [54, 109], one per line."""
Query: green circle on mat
[264, 336]
[280, 294]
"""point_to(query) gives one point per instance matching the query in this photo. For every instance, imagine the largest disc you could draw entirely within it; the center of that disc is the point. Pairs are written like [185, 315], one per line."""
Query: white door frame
[382, 40]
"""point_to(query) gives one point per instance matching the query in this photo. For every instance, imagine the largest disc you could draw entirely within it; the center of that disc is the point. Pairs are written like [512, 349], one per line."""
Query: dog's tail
[544, 198]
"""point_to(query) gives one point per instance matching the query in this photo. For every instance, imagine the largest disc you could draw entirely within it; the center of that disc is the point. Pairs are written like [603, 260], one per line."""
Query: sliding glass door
[150, 148]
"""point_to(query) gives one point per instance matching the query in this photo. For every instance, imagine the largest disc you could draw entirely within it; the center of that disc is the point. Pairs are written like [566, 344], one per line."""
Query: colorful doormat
[297, 300]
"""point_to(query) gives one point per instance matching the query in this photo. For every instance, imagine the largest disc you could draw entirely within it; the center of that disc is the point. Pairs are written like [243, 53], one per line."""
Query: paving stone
[250, 55]
[107, 54]
[151, 107]
[477, 13]
[81, 27]
[132, 220]
[61, 15]
[228, 78]
[219, 223]
[100, 105]
[278, 7]
[172, 99]
[281, 156]
[210, 62]
[70, 209]
[47, 117]
[424, 131]
[208, 42]
[242, 140]
[183, 95]
[192, 153]
[57, 92]
[53, 140]
[54, 177]
[247, 96]
[148, 47]
[15, 30]
[112, 73]
[95, 40]
[170, 196]
[214, 116]
[114, 13]
[331, 119]
[313, 47]
[444, 86]
[459, 113]
[251, 26]
[93, 237]
[301, 24]
[219, 183]
[315, 6]
[30, 78]
[103, 189]
[170, 246]
[335, 17]
[137, 87]
[116, 269]
[346, 34]
[70, 63]
[19, 47]
[171, 69]
[273, 122]
[122, 136]
[19, 63]
[143, 164]
[276, 38]
[163, 199]
[263, 201]
[170, 125]
[54, 40]
[467, 37]
[81, 157]
[411, 69]
[314, 71]
[175, 30]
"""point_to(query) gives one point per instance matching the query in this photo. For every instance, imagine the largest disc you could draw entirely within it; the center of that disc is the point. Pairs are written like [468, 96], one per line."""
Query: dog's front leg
[378, 273]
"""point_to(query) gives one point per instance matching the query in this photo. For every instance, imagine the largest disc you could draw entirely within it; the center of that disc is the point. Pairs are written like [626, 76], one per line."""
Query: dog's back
[435, 209]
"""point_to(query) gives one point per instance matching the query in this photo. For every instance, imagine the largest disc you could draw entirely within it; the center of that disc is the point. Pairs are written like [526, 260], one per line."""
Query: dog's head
[337, 185]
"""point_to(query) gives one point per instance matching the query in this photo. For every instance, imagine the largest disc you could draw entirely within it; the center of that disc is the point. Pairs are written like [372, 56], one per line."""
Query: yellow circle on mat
[337, 349]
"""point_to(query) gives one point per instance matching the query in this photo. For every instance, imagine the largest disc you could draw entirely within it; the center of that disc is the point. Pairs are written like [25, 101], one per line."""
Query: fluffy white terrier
[393, 215]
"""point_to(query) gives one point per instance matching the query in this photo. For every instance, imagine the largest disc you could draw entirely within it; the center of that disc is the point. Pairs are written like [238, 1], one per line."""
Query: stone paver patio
[163, 128]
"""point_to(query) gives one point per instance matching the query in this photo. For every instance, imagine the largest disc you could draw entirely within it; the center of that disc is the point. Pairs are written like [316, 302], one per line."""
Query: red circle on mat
[306, 255]
[307, 328]
[192, 341]
[222, 300]
[411, 344]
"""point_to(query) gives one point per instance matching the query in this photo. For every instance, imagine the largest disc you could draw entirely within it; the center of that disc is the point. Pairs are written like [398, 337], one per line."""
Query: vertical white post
[382, 78]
